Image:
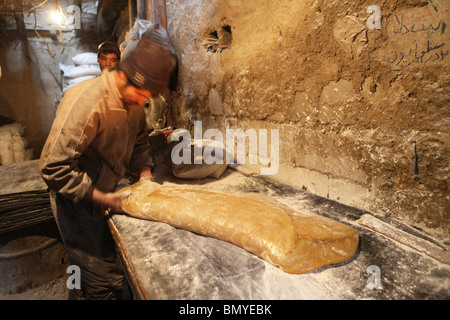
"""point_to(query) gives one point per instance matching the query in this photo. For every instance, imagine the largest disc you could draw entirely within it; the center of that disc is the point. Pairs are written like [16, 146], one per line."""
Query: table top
[163, 262]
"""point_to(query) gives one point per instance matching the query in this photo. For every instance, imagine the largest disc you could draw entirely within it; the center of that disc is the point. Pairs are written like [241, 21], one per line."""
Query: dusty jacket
[94, 139]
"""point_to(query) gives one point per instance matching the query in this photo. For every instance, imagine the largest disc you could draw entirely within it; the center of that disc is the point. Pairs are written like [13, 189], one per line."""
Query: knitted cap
[149, 66]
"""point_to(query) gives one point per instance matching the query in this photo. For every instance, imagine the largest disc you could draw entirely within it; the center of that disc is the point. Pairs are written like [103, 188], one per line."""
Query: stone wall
[362, 112]
[32, 83]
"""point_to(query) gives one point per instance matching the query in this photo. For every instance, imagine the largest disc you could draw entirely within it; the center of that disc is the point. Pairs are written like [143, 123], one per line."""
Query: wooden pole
[149, 10]
[159, 10]
[141, 13]
[131, 12]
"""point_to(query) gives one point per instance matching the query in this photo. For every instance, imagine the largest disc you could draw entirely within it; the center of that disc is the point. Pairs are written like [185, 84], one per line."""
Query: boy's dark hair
[108, 47]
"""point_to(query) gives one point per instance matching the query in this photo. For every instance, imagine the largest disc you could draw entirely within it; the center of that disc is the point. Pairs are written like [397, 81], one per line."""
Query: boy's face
[131, 94]
[135, 95]
[107, 60]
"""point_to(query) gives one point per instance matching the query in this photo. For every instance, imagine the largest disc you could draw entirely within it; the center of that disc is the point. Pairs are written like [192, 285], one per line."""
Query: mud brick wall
[362, 109]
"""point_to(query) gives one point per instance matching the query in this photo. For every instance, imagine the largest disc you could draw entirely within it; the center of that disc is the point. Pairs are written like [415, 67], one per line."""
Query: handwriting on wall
[421, 38]
[416, 54]
[402, 27]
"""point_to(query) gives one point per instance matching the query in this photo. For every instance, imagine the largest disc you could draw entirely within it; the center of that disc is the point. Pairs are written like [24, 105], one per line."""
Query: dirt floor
[54, 290]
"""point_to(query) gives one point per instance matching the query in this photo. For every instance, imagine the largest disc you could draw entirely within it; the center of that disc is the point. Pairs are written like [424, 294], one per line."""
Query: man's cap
[149, 66]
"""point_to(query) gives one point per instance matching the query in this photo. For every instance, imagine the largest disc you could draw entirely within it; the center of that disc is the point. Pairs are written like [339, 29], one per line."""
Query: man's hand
[108, 200]
[113, 201]
[145, 173]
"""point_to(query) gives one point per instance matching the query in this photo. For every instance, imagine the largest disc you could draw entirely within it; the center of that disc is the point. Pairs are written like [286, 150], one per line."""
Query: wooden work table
[163, 262]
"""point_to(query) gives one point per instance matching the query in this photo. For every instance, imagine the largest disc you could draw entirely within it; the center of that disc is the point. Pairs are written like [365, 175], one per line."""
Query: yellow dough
[293, 241]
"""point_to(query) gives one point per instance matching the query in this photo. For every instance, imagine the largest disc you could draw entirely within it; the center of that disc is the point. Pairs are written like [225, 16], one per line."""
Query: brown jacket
[94, 139]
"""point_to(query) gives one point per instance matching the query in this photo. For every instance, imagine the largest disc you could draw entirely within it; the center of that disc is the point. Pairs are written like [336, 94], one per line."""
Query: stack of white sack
[85, 67]
[13, 146]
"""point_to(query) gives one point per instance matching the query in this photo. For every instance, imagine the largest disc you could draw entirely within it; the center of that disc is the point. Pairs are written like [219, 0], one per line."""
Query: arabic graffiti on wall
[421, 38]
[416, 54]
[415, 27]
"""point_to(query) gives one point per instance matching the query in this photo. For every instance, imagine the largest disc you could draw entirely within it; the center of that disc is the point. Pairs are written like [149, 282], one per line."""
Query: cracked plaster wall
[363, 114]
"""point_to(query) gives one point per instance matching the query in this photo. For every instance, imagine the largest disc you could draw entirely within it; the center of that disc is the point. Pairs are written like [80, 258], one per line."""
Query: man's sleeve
[71, 133]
